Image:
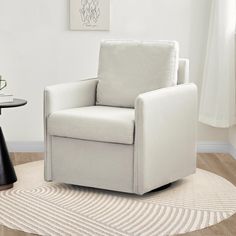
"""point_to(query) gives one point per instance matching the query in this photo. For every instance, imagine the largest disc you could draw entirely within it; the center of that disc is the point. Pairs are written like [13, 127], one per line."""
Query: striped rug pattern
[195, 202]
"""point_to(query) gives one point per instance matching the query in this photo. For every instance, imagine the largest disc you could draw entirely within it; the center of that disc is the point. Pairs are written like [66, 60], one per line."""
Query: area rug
[33, 206]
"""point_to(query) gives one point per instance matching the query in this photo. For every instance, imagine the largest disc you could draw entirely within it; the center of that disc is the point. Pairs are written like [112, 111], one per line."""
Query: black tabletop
[16, 103]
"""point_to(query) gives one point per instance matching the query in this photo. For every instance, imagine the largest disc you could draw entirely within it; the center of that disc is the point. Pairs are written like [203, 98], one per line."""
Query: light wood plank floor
[221, 164]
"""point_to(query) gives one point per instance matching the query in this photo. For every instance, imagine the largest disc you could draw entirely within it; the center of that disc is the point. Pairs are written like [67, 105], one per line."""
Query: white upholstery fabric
[123, 149]
[94, 164]
[98, 123]
[69, 95]
[129, 68]
[65, 96]
[165, 134]
[183, 71]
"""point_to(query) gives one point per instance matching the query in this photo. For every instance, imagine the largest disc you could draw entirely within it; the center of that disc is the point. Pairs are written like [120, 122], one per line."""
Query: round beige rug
[193, 203]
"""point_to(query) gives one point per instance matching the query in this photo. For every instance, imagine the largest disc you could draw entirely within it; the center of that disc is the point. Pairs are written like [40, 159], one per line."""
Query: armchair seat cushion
[97, 123]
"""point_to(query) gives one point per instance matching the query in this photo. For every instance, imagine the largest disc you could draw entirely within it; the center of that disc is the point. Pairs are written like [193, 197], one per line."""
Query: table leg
[7, 172]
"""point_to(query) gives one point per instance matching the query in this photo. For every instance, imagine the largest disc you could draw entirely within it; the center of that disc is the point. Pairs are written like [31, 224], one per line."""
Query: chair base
[162, 188]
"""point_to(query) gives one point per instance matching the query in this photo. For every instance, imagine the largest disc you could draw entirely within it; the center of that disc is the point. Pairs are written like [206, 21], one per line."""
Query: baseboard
[212, 147]
[216, 147]
[202, 147]
[25, 146]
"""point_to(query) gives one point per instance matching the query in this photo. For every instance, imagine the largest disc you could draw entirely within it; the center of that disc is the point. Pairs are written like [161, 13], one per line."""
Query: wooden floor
[221, 164]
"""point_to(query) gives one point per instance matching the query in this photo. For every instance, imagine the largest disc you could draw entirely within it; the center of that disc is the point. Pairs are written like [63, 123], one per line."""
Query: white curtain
[218, 95]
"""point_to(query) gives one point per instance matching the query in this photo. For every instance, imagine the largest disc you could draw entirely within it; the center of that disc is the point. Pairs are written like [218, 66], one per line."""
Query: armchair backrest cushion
[129, 68]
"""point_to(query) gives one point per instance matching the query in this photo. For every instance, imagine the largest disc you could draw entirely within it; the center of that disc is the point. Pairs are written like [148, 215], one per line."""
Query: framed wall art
[89, 14]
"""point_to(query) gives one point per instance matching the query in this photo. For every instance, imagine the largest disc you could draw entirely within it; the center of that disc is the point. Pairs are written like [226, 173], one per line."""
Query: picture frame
[90, 15]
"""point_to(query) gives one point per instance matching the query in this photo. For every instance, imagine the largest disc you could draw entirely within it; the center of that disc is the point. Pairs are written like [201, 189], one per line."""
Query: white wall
[37, 49]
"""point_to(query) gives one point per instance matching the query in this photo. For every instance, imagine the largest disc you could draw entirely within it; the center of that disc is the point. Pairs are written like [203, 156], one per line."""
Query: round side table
[7, 172]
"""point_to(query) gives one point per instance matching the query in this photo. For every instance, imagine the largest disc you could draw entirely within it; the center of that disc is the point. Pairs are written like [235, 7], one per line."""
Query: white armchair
[132, 129]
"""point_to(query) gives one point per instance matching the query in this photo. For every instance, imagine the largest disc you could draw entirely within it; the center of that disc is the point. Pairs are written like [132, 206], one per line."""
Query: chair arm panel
[65, 96]
[165, 134]
[69, 95]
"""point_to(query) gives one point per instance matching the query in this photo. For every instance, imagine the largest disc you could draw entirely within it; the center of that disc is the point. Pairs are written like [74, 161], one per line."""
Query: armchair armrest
[65, 96]
[165, 135]
[69, 95]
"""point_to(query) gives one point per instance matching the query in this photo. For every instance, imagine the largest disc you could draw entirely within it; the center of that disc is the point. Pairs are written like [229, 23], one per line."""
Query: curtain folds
[218, 94]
